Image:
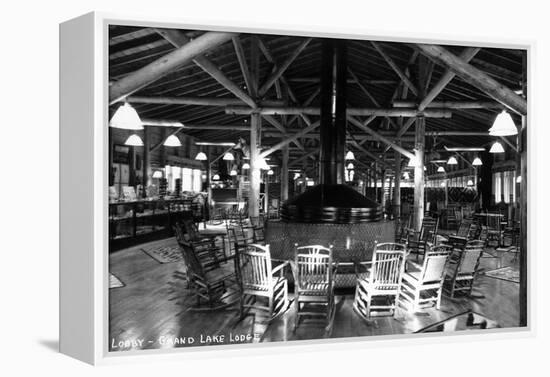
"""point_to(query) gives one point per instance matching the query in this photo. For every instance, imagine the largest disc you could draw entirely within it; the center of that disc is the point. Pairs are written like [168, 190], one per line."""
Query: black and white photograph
[286, 187]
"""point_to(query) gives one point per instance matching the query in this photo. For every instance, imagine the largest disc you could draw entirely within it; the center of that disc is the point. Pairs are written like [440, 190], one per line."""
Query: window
[497, 187]
[509, 186]
[504, 186]
[197, 180]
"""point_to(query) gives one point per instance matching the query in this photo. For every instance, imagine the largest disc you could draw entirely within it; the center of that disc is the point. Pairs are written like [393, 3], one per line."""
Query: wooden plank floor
[152, 309]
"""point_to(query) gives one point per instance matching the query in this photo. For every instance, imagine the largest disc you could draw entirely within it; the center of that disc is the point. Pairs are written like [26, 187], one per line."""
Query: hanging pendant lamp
[503, 125]
[172, 141]
[134, 141]
[127, 118]
[496, 148]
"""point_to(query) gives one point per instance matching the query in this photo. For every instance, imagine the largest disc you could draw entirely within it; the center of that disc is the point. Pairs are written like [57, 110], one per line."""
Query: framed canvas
[378, 184]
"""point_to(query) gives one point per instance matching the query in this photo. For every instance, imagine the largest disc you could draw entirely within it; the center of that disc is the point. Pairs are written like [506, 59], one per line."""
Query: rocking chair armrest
[335, 267]
[360, 267]
[280, 268]
[203, 241]
[413, 264]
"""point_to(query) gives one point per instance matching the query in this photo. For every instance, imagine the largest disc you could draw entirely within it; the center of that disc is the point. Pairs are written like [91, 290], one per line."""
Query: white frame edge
[84, 267]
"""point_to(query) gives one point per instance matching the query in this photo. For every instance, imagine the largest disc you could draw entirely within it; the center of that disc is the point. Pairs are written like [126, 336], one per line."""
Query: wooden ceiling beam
[307, 102]
[383, 139]
[368, 153]
[392, 112]
[454, 105]
[282, 68]
[198, 101]
[466, 55]
[316, 80]
[239, 51]
[177, 38]
[371, 97]
[168, 63]
[304, 157]
[193, 126]
[275, 123]
[475, 77]
[290, 139]
[396, 69]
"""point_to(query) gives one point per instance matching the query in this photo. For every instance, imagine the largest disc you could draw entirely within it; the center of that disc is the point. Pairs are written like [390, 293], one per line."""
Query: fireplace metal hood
[332, 201]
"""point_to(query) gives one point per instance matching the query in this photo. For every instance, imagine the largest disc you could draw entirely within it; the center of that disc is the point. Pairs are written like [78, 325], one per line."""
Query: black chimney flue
[333, 111]
[332, 201]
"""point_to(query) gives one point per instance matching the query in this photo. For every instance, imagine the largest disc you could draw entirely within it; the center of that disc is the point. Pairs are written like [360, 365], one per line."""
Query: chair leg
[416, 300]
[438, 302]
[241, 307]
[271, 306]
[297, 309]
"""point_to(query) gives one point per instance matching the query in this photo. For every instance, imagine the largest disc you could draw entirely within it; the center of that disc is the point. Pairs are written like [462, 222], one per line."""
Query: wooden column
[397, 186]
[266, 194]
[375, 177]
[419, 173]
[284, 175]
[446, 192]
[255, 123]
[132, 167]
[383, 190]
[146, 160]
[208, 181]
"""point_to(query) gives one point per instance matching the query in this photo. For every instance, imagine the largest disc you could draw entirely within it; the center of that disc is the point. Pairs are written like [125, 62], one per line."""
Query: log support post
[284, 174]
[397, 186]
[146, 181]
[419, 173]
[255, 123]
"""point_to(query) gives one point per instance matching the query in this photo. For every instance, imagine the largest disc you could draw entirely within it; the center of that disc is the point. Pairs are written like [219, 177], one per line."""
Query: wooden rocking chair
[314, 285]
[258, 279]
[377, 292]
[420, 242]
[422, 285]
[210, 274]
[462, 268]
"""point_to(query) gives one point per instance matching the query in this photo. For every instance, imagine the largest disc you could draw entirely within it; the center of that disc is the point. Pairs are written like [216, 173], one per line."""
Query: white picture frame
[84, 229]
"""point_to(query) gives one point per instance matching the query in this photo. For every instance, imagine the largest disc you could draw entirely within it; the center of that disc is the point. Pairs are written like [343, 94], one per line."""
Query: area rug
[505, 273]
[115, 282]
[164, 252]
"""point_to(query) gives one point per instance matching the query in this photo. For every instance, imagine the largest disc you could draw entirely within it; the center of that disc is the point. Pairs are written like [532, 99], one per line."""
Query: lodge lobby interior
[268, 188]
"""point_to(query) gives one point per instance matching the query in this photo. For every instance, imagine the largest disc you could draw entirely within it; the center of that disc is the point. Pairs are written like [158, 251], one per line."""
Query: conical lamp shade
[496, 148]
[127, 118]
[134, 141]
[246, 166]
[228, 156]
[172, 141]
[350, 156]
[216, 177]
[441, 169]
[477, 162]
[201, 156]
[233, 173]
[270, 172]
[503, 125]
[157, 174]
[452, 161]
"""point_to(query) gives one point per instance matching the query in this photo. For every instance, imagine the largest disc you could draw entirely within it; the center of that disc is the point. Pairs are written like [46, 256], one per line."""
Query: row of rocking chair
[383, 284]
